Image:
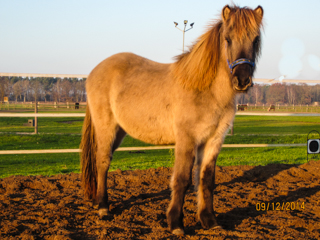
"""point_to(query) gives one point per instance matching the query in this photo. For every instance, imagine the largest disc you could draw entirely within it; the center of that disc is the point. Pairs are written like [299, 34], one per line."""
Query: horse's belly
[148, 130]
[149, 124]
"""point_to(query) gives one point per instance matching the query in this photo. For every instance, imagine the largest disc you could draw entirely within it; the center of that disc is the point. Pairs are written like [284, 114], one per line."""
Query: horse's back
[136, 91]
[126, 67]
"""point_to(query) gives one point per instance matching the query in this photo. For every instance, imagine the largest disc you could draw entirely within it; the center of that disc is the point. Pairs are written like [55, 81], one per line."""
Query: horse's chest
[212, 123]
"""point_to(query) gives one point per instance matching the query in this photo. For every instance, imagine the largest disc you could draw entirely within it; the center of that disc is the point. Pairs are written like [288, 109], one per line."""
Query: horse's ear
[259, 12]
[225, 13]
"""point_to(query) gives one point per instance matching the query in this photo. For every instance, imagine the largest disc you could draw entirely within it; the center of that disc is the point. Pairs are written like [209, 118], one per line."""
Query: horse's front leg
[103, 162]
[181, 180]
[209, 155]
[206, 185]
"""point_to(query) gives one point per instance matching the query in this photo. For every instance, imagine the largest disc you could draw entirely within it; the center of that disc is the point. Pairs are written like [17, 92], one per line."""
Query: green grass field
[45, 125]
[64, 133]
[275, 125]
[50, 164]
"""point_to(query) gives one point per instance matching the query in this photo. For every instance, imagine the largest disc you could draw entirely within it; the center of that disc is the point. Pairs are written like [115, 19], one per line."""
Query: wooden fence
[42, 106]
[74, 106]
[145, 148]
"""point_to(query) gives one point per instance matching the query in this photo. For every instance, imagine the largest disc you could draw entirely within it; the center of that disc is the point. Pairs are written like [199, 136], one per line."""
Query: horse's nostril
[247, 82]
[236, 81]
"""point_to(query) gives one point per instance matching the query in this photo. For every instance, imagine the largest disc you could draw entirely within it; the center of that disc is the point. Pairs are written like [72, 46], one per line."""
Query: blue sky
[73, 36]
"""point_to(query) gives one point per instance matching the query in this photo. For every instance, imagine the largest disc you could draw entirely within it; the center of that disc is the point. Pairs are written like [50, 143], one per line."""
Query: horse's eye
[228, 40]
[256, 40]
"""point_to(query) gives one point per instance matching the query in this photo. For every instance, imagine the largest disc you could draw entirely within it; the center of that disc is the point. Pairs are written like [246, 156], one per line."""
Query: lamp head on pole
[185, 22]
[175, 23]
[191, 24]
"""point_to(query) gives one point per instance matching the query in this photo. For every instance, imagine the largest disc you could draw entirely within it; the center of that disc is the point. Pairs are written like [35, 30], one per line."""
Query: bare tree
[305, 94]
[256, 92]
[5, 88]
[26, 89]
[36, 88]
[18, 90]
[80, 91]
[276, 93]
[56, 90]
[66, 87]
[291, 92]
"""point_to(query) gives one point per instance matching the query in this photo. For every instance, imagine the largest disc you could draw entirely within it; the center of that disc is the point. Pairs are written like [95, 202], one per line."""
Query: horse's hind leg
[181, 180]
[106, 134]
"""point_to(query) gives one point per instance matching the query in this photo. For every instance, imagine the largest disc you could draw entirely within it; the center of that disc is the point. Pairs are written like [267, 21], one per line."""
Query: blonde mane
[197, 68]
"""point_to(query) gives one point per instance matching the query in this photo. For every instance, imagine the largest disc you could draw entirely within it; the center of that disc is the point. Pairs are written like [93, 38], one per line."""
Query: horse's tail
[88, 158]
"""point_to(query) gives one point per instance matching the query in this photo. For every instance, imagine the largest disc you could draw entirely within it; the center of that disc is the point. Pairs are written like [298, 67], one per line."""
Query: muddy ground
[38, 207]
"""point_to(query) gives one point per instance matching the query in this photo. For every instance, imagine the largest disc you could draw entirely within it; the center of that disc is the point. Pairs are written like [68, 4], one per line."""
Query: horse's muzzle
[242, 85]
[242, 77]
[241, 70]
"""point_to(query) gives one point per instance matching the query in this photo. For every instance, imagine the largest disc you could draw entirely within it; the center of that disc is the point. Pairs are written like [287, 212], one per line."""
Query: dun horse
[189, 103]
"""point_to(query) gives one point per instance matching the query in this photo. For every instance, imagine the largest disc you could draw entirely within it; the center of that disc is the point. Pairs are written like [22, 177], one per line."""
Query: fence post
[36, 118]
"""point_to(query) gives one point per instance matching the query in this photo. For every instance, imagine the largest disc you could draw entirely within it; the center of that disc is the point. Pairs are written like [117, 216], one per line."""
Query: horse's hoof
[217, 227]
[103, 213]
[178, 231]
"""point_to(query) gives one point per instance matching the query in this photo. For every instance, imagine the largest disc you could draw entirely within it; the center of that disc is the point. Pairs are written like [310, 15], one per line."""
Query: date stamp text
[280, 206]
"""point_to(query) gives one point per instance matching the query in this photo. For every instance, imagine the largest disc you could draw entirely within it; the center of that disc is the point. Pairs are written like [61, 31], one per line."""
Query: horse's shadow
[139, 200]
[260, 173]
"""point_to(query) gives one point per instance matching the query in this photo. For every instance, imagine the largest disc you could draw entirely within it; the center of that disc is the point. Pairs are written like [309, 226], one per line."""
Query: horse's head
[240, 38]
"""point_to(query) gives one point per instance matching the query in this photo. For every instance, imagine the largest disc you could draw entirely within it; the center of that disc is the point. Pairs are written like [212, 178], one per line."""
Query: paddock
[277, 201]
[272, 202]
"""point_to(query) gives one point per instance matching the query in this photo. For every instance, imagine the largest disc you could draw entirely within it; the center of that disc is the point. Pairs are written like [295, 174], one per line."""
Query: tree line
[45, 89]
[282, 93]
[73, 90]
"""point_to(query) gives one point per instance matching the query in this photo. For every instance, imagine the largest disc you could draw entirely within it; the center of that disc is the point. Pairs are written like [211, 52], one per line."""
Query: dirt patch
[38, 207]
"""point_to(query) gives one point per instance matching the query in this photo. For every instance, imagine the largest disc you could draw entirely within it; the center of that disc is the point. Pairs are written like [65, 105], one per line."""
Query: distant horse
[242, 107]
[189, 103]
[272, 107]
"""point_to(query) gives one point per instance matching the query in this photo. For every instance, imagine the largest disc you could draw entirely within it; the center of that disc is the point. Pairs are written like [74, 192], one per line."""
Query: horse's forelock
[244, 22]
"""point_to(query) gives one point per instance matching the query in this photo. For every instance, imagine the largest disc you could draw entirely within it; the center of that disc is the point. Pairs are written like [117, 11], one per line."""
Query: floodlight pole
[184, 30]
